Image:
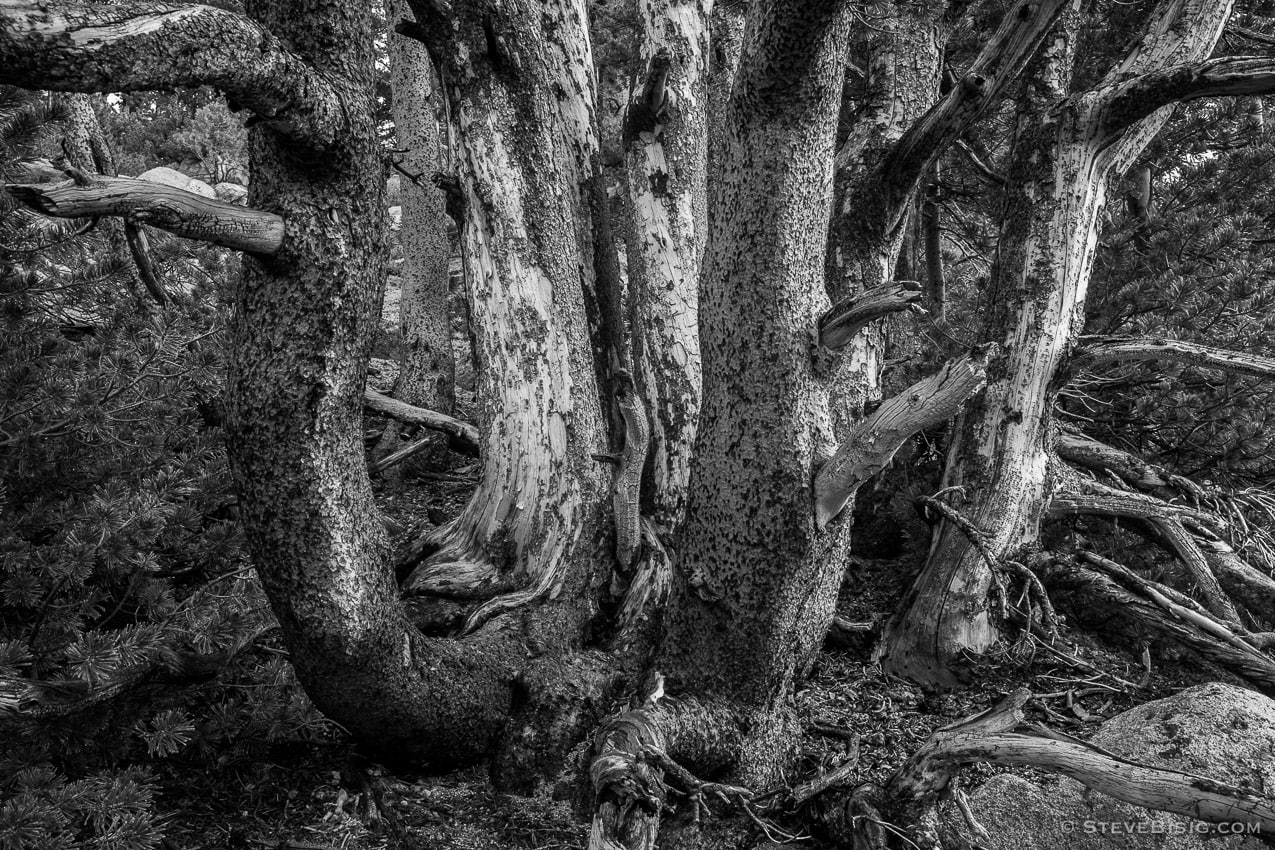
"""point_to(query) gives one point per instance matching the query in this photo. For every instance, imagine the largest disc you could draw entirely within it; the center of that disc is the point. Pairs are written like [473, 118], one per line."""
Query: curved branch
[926, 403]
[1137, 98]
[999, 64]
[989, 737]
[175, 210]
[146, 46]
[846, 318]
[1095, 350]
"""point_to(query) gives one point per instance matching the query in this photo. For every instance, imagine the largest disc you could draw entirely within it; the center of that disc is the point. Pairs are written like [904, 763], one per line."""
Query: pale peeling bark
[427, 368]
[175, 210]
[666, 151]
[1057, 192]
[145, 46]
[519, 80]
[758, 580]
[879, 437]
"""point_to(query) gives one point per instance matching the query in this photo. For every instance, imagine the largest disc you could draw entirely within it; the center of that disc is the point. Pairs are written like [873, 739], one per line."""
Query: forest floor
[319, 796]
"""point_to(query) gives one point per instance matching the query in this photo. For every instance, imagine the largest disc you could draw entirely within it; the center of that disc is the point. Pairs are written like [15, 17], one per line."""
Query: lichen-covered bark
[666, 151]
[1058, 188]
[427, 369]
[519, 80]
[141, 46]
[757, 579]
[301, 332]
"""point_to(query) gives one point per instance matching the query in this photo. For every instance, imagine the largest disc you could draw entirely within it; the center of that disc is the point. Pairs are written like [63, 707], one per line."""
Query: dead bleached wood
[1095, 350]
[466, 435]
[1110, 593]
[846, 318]
[923, 405]
[992, 737]
[175, 210]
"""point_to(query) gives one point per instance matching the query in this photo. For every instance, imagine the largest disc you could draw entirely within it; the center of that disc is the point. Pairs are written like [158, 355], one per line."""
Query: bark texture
[520, 89]
[427, 368]
[758, 579]
[1065, 151]
[666, 153]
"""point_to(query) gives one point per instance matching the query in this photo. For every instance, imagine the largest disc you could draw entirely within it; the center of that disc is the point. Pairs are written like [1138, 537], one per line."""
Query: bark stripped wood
[633, 751]
[1108, 599]
[145, 46]
[991, 738]
[528, 252]
[1036, 307]
[1105, 501]
[935, 282]
[666, 158]
[1002, 59]
[175, 210]
[846, 318]
[87, 150]
[1086, 452]
[465, 436]
[627, 487]
[1094, 351]
[874, 443]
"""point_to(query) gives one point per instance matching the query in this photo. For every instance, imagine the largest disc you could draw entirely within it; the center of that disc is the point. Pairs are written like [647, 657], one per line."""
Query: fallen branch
[1099, 598]
[465, 436]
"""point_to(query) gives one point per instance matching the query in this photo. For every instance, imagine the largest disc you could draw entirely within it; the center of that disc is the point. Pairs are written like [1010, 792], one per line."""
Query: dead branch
[846, 318]
[1093, 351]
[923, 405]
[1137, 98]
[175, 210]
[465, 436]
[1099, 597]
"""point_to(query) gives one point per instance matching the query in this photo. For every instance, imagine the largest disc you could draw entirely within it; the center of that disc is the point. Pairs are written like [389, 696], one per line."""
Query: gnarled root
[1105, 592]
[999, 736]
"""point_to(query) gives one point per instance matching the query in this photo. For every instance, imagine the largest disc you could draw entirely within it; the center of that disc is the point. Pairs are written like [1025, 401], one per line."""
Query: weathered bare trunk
[666, 151]
[519, 80]
[1066, 146]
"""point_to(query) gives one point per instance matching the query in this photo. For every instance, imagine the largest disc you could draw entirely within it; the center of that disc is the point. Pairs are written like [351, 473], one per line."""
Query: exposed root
[1113, 595]
[1034, 591]
[1000, 736]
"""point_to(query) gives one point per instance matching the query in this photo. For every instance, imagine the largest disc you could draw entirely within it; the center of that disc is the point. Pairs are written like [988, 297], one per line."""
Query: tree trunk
[519, 81]
[666, 151]
[427, 367]
[758, 579]
[1065, 152]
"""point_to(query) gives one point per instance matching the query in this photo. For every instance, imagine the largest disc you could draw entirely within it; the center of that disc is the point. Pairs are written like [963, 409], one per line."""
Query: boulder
[1214, 730]
[173, 177]
[231, 193]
